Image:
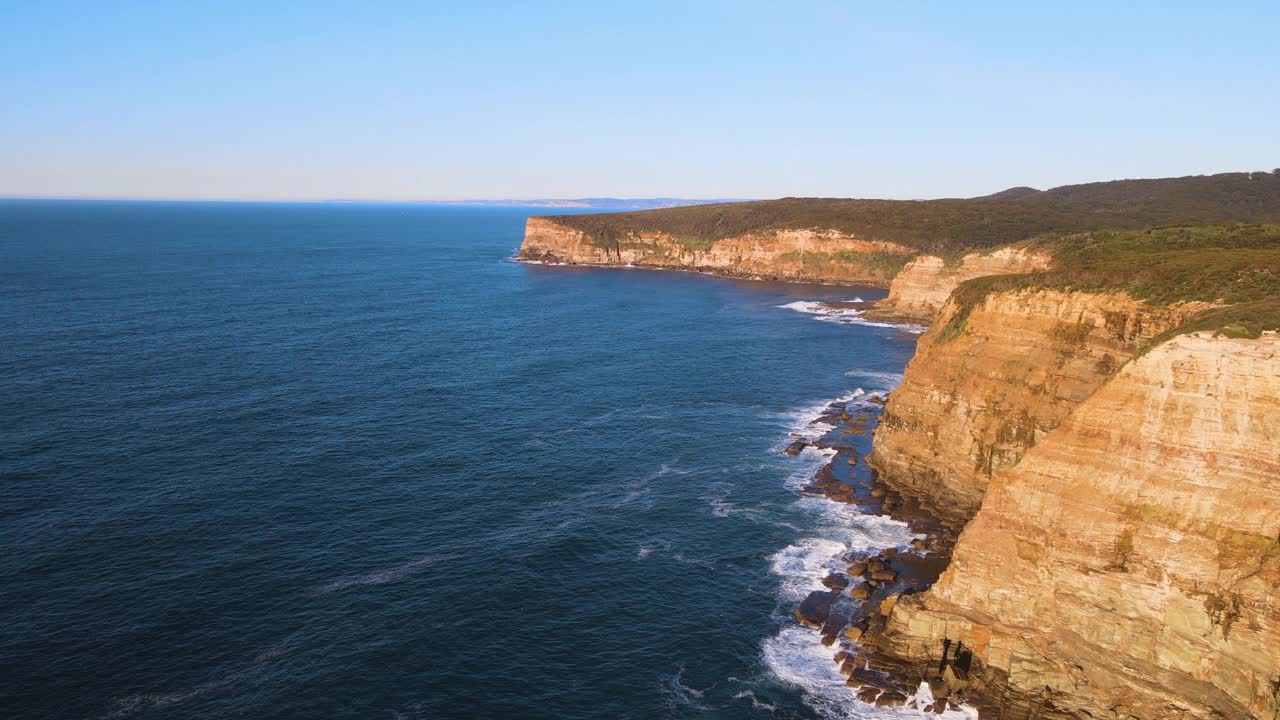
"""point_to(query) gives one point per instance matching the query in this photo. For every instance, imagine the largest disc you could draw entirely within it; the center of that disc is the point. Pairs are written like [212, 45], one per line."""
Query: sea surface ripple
[349, 461]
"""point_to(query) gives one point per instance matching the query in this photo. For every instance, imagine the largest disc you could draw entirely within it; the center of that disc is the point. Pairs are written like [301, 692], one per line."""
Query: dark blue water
[274, 461]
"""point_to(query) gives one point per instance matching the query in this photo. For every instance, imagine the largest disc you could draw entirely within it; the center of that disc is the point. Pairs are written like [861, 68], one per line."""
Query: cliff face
[977, 395]
[814, 255]
[918, 293]
[1129, 566]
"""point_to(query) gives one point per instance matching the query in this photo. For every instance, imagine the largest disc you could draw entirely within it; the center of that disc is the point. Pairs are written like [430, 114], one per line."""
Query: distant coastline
[620, 203]
[561, 203]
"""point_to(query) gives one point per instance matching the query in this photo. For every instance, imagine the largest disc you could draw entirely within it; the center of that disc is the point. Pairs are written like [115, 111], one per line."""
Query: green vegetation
[1233, 264]
[950, 227]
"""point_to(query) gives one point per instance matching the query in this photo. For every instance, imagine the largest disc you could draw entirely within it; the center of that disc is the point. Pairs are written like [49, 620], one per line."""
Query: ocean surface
[350, 461]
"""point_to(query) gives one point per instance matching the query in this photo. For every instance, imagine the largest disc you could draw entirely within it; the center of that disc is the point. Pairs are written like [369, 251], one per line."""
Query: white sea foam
[811, 460]
[804, 423]
[882, 381]
[803, 565]
[382, 577]
[822, 307]
[826, 312]
[756, 703]
[264, 663]
[856, 530]
[720, 505]
[796, 657]
[680, 695]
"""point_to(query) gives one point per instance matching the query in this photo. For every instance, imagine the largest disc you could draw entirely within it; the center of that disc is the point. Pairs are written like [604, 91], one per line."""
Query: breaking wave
[828, 311]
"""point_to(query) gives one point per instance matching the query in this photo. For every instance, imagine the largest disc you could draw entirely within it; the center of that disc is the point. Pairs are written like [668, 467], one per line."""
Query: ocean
[351, 461]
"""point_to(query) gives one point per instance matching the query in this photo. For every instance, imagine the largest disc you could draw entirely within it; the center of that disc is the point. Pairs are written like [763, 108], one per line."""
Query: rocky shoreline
[851, 611]
[549, 258]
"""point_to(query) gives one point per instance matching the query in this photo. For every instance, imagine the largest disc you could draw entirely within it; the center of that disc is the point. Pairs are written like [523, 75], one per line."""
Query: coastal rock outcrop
[813, 255]
[918, 293]
[988, 382]
[1129, 565]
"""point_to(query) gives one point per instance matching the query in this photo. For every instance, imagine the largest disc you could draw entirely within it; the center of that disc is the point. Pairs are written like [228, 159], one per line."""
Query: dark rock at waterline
[816, 608]
[836, 581]
[861, 592]
[891, 698]
[795, 448]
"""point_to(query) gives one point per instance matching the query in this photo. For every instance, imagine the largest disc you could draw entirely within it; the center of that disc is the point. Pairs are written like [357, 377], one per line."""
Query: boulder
[861, 591]
[836, 581]
[795, 448]
[884, 576]
[858, 568]
[891, 698]
[853, 632]
[815, 608]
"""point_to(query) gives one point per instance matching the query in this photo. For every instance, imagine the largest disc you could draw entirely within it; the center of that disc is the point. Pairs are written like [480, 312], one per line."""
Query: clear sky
[422, 100]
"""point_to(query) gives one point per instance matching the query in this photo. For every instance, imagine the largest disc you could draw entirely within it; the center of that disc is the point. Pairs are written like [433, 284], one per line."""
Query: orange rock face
[972, 401]
[812, 255]
[1129, 565]
[918, 293]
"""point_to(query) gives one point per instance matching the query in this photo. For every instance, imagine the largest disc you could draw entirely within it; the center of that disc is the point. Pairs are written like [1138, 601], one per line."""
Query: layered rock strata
[986, 386]
[810, 255]
[1129, 566]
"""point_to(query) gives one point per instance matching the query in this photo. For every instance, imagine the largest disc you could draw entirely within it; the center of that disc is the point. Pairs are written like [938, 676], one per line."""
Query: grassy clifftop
[1232, 264]
[955, 225]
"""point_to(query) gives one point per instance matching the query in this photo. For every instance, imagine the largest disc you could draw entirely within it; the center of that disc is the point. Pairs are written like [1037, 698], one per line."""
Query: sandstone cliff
[918, 293]
[809, 255]
[1129, 566]
[987, 383]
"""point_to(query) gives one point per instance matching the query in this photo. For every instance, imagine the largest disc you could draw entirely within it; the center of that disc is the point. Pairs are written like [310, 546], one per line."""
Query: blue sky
[403, 101]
